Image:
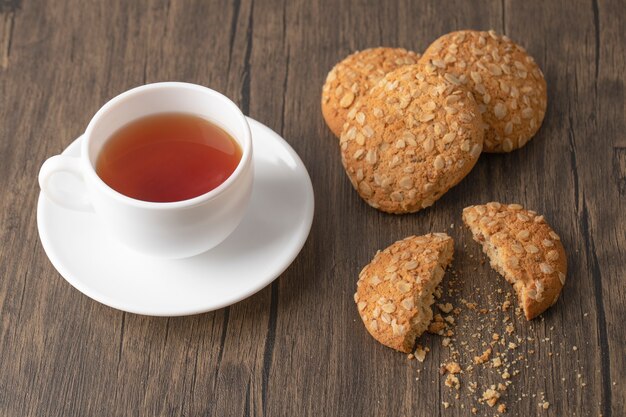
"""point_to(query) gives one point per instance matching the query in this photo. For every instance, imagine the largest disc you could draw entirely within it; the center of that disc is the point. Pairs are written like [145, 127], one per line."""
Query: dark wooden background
[298, 347]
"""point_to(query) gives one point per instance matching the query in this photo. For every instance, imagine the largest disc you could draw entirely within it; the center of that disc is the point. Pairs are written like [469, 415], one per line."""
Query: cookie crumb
[453, 367]
[420, 353]
[452, 381]
[491, 396]
[446, 308]
[436, 327]
[482, 358]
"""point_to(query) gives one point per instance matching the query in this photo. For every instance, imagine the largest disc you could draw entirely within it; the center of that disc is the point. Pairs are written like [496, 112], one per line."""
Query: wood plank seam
[7, 22]
[245, 84]
[233, 31]
[619, 169]
[594, 267]
[220, 352]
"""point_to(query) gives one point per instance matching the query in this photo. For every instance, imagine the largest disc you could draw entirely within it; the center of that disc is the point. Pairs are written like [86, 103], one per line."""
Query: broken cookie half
[395, 290]
[524, 249]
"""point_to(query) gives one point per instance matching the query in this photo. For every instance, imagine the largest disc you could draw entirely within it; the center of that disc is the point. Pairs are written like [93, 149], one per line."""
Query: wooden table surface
[298, 346]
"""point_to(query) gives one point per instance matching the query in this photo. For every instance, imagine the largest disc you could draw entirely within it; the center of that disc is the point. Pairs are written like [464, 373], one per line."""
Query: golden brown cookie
[355, 75]
[395, 290]
[506, 81]
[410, 139]
[524, 249]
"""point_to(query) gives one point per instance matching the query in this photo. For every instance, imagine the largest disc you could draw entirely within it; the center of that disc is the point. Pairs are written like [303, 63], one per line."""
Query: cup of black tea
[166, 166]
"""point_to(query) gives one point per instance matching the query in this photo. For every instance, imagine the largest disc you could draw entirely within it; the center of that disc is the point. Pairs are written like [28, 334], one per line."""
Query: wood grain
[298, 347]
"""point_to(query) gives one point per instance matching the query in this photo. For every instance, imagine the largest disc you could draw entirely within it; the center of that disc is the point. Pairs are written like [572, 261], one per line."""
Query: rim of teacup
[245, 142]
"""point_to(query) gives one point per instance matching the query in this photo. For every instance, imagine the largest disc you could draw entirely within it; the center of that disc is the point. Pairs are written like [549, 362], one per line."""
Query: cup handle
[70, 165]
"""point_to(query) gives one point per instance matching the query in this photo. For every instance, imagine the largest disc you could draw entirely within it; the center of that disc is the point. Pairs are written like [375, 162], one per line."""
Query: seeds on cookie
[506, 81]
[395, 290]
[523, 248]
[355, 75]
[423, 134]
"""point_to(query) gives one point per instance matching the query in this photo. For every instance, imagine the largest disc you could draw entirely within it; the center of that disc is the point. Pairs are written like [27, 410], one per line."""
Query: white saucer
[268, 239]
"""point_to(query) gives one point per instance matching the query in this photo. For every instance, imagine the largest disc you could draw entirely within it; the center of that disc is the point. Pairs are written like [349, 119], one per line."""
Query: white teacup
[169, 230]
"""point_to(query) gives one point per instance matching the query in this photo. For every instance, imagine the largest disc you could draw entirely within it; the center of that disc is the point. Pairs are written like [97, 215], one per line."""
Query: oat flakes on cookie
[506, 81]
[395, 290]
[414, 136]
[354, 76]
[524, 249]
